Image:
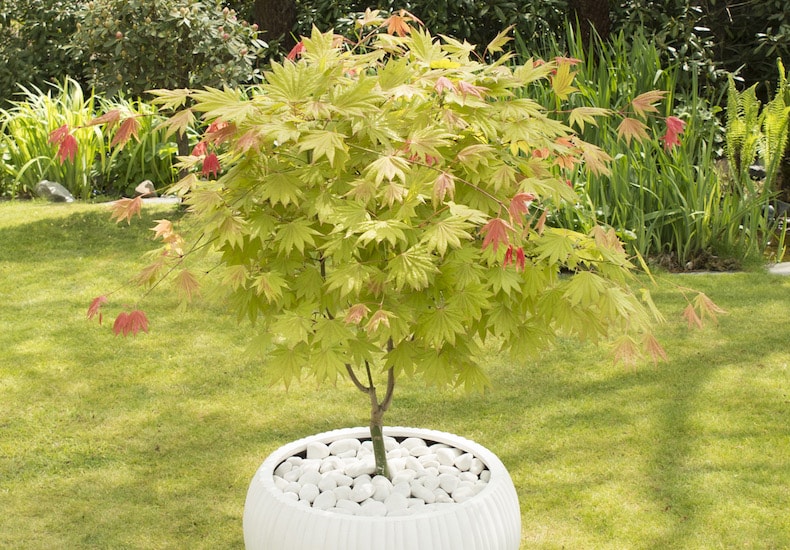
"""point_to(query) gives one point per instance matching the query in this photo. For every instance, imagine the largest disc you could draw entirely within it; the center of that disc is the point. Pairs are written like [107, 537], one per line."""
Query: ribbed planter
[489, 521]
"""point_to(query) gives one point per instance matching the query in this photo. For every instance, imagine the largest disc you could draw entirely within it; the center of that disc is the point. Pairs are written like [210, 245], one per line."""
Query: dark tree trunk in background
[592, 14]
[276, 18]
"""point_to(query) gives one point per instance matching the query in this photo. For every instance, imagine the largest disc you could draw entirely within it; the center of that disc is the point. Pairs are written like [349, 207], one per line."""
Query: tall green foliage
[27, 155]
[670, 203]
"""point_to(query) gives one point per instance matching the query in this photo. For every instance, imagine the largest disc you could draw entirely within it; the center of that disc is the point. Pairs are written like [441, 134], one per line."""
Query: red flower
[211, 165]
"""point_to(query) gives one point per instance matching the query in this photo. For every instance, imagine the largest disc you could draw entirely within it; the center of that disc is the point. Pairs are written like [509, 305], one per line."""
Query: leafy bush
[32, 33]
[134, 46]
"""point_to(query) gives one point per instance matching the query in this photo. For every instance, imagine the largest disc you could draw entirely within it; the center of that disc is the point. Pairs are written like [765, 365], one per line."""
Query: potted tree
[381, 209]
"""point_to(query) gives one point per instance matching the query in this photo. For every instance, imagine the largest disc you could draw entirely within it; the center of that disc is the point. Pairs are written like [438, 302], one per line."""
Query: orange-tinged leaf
[67, 148]
[57, 135]
[110, 118]
[519, 207]
[381, 317]
[443, 185]
[163, 228]
[150, 273]
[675, 127]
[187, 285]
[595, 158]
[690, 314]
[645, 103]
[397, 24]
[495, 233]
[356, 313]
[125, 209]
[654, 348]
[95, 307]
[706, 307]
[631, 128]
[211, 165]
[128, 128]
[178, 123]
[626, 351]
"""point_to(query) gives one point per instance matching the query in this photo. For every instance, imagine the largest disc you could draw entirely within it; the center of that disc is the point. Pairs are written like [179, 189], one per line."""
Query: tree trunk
[592, 15]
[276, 19]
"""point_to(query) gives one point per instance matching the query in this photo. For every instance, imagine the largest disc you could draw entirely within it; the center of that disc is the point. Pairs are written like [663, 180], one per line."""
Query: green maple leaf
[324, 143]
[295, 234]
[413, 268]
[440, 325]
[447, 232]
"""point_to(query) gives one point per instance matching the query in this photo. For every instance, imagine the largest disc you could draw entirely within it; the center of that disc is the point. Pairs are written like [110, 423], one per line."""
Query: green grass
[150, 442]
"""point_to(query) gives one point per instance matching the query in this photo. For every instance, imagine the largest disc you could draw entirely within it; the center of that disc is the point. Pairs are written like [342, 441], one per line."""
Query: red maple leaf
[131, 322]
[443, 83]
[128, 128]
[200, 149]
[95, 307]
[110, 118]
[67, 144]
[675, 127]
[508, 256]
[56, 136]
[495, 233]
[519, 206]
[211, 165]
[296, 51]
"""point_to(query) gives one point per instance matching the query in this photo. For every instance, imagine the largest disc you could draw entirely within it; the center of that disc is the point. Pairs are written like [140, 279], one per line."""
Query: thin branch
[390, 389]
[360, 386]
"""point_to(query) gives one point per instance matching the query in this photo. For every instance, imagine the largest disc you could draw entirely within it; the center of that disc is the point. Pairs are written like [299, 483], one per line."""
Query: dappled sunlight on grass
[150, 442]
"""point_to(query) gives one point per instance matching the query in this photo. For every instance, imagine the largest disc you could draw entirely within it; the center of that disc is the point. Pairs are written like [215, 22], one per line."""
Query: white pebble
[372, 508]
[477, 466]
[283, 468]
[463, 493]
[402, 488]
[396, 502]
[422, 492]
[362, 492]
[312, 477]
[366, 465]
[325, 501]
[446, 456]
[412, 442]
[464, 462]
[349, 505]
[308, 492]
[342, 446]
[327, 483]
[448, 482]
[342, 493]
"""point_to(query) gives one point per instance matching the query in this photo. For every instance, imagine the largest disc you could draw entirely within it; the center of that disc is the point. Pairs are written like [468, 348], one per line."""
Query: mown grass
[150, 442]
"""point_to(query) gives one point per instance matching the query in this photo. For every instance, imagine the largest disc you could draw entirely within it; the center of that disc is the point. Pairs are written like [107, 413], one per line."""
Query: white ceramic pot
[489, 521]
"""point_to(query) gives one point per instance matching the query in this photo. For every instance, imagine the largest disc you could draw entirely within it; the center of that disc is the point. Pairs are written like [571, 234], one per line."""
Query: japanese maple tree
[382, 209]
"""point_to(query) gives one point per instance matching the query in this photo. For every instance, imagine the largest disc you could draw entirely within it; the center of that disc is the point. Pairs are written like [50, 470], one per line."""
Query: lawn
[150, 442]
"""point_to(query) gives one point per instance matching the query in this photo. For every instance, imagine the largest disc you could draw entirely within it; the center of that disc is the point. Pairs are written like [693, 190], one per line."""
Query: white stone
[452, 470]
[342, 446]
[291, 496]
[419, 450]
[485, 475]
[390, 443]
[402, 488]
[429, 461]
[467, 477]
[280, 483]
[362, 492]
[423, 493]
[477, 466]
[292, 487]
[342, 493]
[430, 482]
[366, 465]
[325, 501]
[446, 456]
[448, 482]
[311, 464]
[327, 483]
[293, 474]
[372, 508]
[412, 442]
[413, 464]
[283, 468]
[404, 476]
[308, 492]
[364, 479]
[464, 462]
[396, 502]
[331, 463]
[312, 477]
[341, 479]
[347, 505]
[416, 504]
[294, 460]
[463, 493]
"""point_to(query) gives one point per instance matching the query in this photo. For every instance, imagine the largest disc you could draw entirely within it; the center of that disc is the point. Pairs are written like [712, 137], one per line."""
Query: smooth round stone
[396, 502]
[325, 501]
[342, 493]
[412, 443]
[396, 465]
[341, 479]
[485, 475]
[429, 461]
[308, 492]
[463, 493]
[452, 470]
[342, 446]
[330, 464]
[446, 456]
[402, 488]
[311, 464]
[468, 477]
[291, 496]
[282, 469]
[390, 443]
[477, 466]
[362, 480]
[397, 452]
[448, 482]
[381, 492]
[347, 505]
[430, 482]
[442, 497]
[362, 492]
[404, 476]
[294, 460]
[413, 464]
[423, 493]
[311, 477]
[381, 480]
[464, 462]
[293, 487]
[419, 450]
[293, 474]
[280, 483]
[372, 508]
[327, 483]
[366, 465]
[416, 504]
